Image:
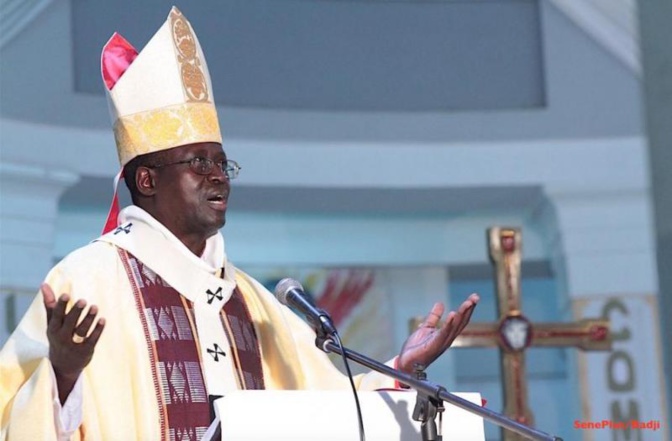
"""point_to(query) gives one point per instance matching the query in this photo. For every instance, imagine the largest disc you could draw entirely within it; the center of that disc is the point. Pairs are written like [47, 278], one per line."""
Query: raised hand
[70, 344]
[428, 342]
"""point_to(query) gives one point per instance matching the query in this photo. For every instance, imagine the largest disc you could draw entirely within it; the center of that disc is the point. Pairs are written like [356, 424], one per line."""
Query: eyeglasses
[205, 166]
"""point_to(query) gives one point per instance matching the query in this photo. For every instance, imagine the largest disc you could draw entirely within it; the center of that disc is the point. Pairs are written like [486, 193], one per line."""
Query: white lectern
[332, 416]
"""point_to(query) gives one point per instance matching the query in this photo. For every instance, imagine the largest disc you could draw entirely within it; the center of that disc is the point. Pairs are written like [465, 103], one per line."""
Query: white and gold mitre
[161, 97]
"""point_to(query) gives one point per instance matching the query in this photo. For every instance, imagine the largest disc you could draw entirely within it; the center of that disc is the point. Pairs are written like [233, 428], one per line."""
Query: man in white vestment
[135, 334]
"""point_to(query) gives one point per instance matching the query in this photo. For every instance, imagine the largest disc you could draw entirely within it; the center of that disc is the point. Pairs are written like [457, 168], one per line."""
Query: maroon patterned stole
[170, 332]
[245, 344]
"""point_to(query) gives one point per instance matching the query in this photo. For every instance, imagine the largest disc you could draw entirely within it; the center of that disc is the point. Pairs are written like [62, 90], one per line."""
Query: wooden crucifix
[513, 333]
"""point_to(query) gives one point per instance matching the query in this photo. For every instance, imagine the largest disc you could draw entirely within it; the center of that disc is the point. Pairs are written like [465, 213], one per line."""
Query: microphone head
[284, 287]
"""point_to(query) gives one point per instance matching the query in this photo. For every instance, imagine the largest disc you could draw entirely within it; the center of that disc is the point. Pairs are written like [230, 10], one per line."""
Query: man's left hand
[428, 342]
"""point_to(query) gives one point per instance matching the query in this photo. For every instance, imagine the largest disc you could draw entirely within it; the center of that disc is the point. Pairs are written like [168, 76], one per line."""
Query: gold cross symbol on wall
[513, 333]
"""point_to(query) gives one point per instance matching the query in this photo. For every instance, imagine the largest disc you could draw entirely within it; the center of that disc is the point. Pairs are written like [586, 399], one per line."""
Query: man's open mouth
[217, 201]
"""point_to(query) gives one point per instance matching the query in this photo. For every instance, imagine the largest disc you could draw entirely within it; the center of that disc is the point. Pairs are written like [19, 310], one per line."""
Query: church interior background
[379, 141]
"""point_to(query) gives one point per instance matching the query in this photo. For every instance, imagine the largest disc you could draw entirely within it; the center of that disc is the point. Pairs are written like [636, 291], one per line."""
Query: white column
[603, 250]
[29, 198]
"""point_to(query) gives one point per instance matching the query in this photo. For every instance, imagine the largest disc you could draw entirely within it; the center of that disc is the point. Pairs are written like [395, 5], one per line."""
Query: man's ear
[145, 180]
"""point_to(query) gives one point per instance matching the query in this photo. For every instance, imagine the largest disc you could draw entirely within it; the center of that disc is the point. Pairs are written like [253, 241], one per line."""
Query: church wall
[588, 92]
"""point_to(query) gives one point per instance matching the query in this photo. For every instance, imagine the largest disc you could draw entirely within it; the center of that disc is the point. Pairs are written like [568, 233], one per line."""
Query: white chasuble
[194, 279]
[119, 392]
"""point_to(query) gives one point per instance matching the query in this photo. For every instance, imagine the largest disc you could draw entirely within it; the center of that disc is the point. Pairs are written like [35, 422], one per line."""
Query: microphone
[290, 293]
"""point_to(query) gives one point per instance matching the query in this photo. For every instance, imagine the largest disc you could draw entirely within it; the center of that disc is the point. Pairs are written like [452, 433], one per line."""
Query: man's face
[192, 204]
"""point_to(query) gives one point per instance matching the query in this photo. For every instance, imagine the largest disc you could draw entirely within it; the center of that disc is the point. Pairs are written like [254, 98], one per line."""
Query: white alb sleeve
[68, 417]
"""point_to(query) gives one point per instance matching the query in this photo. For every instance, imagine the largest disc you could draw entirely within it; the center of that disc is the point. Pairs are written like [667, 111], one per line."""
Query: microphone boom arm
[433, 391]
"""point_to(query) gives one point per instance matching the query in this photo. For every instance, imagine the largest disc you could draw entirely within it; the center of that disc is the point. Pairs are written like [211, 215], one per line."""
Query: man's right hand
[70, 349]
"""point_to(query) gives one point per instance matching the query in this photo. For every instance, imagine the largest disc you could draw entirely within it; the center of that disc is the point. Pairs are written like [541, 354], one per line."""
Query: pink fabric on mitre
[117, 55]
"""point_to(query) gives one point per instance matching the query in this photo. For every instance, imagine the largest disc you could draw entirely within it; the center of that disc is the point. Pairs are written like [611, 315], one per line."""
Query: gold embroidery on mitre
[191, 70]
[162, 129]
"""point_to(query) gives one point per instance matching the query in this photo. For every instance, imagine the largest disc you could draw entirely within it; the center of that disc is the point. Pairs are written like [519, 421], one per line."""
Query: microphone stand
[426, 409]
[431, 396]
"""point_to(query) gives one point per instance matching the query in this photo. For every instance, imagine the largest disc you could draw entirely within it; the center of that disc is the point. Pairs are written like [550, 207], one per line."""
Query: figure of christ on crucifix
[513, 333]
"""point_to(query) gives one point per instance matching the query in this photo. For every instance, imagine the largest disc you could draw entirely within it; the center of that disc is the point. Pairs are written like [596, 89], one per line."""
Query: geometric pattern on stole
[243, 337]
[184, 408]
[171, 336]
